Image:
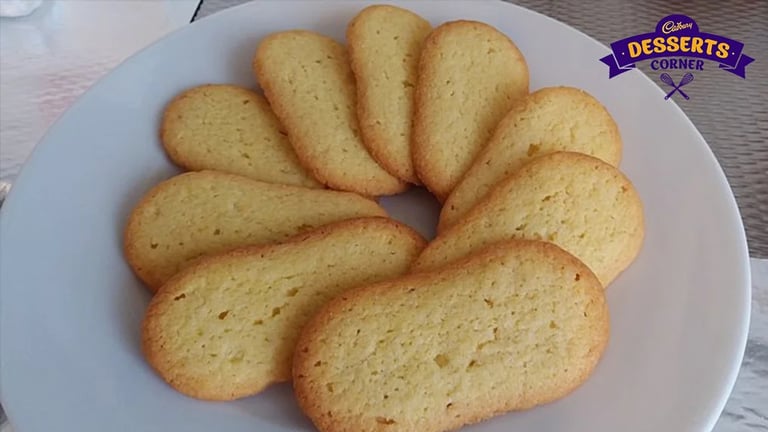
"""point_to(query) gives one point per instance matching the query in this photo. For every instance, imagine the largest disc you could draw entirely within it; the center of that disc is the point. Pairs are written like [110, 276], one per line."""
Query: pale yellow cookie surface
[230, 129]
[548, 120]
[582, 204]
[470, 74]
[226, 327]
[384, 47]
[308, 81]
[205, 212]
[516, 325]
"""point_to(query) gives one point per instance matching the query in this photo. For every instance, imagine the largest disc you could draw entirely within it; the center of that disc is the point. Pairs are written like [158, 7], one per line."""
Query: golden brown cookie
[230, 129]
[226, 327]
[384, 47]
[515, 325]
[205, 212]
[470, 74]
[580, 203]
[548, 120]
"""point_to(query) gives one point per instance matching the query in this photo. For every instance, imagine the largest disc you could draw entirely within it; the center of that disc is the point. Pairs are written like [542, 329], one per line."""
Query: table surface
[48, 63]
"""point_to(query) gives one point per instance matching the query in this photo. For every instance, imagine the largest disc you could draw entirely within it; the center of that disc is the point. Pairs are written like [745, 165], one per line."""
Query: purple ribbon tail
[613, 67]
[741, 65]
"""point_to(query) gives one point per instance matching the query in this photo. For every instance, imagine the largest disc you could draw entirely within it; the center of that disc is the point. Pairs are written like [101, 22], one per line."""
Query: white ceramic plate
[70, 307]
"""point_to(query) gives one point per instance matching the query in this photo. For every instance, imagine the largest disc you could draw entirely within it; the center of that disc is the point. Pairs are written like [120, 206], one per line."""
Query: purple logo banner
[677, 36]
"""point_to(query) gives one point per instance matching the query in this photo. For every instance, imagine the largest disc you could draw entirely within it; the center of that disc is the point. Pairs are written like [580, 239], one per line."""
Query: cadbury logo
[671, 27]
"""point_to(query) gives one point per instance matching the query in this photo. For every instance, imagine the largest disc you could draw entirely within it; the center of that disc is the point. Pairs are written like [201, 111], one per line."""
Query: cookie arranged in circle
[578, 202]
[308, 81]
[548, 120]
[226, 327]
[207, 212]
[384, 47]
[518, 324]
[470, 75]
[230, 129]
[272, 261]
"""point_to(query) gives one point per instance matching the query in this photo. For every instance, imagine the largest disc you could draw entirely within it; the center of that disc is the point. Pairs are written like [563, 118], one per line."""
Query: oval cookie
[226, 327]
[470, 74]
[230, 129]
[580, 203]
[548, 120]
[205, 212]
[518, 324]
[384, 47]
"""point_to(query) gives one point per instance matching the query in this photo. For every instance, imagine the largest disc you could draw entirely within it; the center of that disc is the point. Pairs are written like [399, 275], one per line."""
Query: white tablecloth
[50, 57]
